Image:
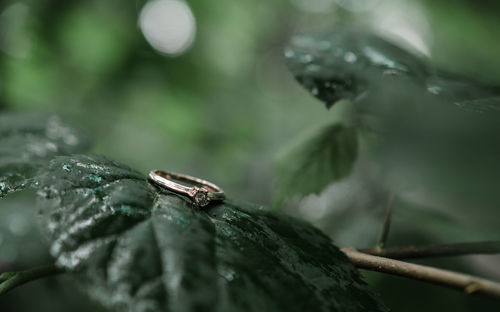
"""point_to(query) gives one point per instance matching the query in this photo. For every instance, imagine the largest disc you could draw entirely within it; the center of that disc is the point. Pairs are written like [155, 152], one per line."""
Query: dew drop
[434, 89]
[306, 58]
[51, 147]
[289, 53]
[350, 57]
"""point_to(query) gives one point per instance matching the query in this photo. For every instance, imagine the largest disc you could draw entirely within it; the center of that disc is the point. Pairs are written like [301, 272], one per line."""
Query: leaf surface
[317, 161]
[136, 248]
[343, 63]
[350, 64]
[30, 140]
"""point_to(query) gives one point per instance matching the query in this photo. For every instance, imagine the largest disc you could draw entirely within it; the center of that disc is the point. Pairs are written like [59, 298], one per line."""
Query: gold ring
[201, 193]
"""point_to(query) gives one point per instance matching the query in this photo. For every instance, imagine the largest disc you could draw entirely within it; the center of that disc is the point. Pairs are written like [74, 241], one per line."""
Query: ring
[201, 193]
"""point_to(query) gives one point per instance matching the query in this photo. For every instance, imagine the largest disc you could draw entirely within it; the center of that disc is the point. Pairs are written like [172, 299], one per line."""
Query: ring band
[201, 193]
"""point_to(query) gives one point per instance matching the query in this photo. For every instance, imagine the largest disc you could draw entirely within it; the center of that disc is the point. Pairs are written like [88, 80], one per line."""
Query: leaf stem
[466, 283]
[427, 251]
[384, 233]
[11, 280]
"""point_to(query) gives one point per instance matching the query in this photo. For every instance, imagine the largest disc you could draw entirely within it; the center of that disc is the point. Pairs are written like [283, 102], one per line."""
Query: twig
[464, 282]
[428, 251]
[11, 280]
[384, 233]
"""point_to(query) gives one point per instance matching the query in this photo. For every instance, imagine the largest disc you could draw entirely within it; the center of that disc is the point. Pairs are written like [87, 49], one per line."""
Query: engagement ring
[201, 192]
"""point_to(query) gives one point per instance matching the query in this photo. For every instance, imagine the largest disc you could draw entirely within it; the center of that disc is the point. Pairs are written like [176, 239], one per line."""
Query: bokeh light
[168, 25]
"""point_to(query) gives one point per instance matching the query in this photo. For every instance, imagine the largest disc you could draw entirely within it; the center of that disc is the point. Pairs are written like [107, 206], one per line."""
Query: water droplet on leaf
[350, 57]
[306, 58]
[434, 89]
[289, 53]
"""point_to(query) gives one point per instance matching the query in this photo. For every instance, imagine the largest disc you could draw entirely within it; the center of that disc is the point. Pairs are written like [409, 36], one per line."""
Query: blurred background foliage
[210, 96]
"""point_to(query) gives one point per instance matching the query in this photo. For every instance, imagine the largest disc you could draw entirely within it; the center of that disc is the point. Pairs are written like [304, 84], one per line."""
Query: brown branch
[428, 251]
[463, 282]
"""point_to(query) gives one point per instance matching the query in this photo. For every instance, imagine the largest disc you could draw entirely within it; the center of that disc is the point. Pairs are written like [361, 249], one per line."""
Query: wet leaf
[349, 64]
[138, 249]
[341, 64]
[30, 140]
[317, 161]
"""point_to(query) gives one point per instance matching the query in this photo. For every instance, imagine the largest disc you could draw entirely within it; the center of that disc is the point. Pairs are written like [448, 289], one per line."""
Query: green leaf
[30, 140]
[342, 64]
[136, 248]
[317, 161]
[349, 64]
